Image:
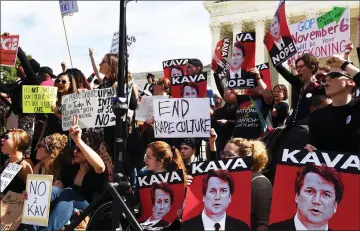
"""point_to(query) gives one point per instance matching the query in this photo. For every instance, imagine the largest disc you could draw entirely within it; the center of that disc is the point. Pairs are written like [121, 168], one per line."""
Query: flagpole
[67, 41]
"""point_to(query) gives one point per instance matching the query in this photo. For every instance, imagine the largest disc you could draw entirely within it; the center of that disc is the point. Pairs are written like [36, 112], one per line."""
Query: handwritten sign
[145, 111]
[130, 41]
[93, 108]
[182, 118]
[322, 36]
[37, 206]
[8, 175]
[38, 99]
[8, 50]
[68, 7]
[11, 211]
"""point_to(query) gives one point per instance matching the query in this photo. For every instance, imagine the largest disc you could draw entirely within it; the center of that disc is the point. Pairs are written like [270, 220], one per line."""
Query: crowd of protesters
[324, 115]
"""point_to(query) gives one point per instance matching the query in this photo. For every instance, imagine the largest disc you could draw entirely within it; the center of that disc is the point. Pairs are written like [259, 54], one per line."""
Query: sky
[164, 30]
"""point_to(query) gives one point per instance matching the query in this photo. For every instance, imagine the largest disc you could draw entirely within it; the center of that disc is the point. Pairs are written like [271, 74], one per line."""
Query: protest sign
[229, 180]
[37, 206]
[278, 39]
[11, 211]
[219, 64]
[68, 7]
[190, 86]
[8, 50]
[161, 195]
[182, 118]
[38, 99]
[145, 111]
[265, 74]
[242, 60]
[175, 68]
[8, 174]
[130, 41]
[323, 36]
[320, 187]
[93, 108]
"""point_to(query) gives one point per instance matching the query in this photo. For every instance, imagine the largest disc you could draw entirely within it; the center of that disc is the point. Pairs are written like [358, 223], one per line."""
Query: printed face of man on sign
[275, 28]
[162, 197]
[176, 72]
[190, 90]
[237, 57]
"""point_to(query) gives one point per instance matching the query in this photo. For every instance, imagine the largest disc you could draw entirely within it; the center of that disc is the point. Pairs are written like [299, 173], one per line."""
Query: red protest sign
[161, 195]
[189, 86]
[217, 190]
[265, 74]
[242, 60]
[219, 63]
[316, 191]
[278, 39]
[175, 68]
[8, 50]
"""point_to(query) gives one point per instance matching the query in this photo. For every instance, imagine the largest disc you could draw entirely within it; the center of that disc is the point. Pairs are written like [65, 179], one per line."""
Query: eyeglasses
[43, 145]
[227, 154]
[337, 75]
[57, 81]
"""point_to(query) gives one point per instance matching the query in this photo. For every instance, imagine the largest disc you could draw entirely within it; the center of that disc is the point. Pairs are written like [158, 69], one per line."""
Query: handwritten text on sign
[182, 118]
[8, 50]
[130, 41]
[36, 207]
[321, 42]
[93, 108]
[11, 211]
[38, 99]
[145, 111]
[68, 7]
[8, 175]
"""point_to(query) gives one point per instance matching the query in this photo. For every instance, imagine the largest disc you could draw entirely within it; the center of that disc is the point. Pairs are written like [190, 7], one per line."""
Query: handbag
[266, 129]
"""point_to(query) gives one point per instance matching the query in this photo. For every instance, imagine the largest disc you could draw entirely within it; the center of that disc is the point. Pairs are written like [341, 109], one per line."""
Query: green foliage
[9, 73]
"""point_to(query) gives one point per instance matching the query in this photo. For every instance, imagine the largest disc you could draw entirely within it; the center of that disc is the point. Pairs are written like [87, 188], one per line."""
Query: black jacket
[231, 223]
[288, 225]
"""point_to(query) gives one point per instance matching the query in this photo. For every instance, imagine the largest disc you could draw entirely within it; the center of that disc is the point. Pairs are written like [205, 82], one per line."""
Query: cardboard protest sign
[11, 211]
[317, 189]
[130, 41]
[8, 50]
[219, 64]
[161, 195]
[38, 99]
[8, 174]
[219, 188]
[265, 74]
[92, 106]
[145, 111]
[182, 118]
[190, 86]
[68, 7]
[278, 38]
[37, 206]
[242, 60]
[175, 68]
[323, 36]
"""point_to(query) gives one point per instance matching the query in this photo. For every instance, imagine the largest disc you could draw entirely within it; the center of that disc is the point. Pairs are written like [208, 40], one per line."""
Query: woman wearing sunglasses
[261, 188]
[14, 143]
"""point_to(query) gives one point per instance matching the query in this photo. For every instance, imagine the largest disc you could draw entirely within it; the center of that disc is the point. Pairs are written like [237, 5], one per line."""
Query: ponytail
[177, 162]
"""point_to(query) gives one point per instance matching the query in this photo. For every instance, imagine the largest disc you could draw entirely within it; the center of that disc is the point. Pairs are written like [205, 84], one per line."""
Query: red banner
[265, 74]
[278, 39]
[189, 86]
[219, 64]
[161, 195]
[316, 191]
[175, 68]
[218, 189]
[8, 50]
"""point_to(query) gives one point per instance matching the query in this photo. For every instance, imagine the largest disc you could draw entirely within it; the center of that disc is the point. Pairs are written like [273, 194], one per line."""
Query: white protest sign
[145, 111]
[68, 7]
[93, 108]
[37, 206]
[323, 36]
[130, 41]
[8, 175]
[182, 118]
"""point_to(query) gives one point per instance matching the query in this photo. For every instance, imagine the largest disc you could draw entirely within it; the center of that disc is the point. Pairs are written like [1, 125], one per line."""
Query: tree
[8, 74]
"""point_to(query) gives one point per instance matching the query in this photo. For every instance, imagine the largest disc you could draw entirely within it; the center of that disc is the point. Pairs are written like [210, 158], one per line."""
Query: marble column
[237, 28]
[260, 46]
[216, 35]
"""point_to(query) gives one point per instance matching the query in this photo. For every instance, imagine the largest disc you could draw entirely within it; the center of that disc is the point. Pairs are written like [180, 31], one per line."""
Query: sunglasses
[337, 75]
[6, 137]
[44, 145]
[57, 81]
[227, 154]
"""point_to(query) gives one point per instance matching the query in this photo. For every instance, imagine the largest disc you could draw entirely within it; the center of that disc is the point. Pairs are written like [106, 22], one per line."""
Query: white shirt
[300, 226]
[232, 74]
[148, 222]
[280, 45]
[210, 224]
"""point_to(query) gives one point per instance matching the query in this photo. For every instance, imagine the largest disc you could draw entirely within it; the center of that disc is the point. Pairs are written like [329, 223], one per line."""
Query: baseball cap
[148, 75]
[47, 70]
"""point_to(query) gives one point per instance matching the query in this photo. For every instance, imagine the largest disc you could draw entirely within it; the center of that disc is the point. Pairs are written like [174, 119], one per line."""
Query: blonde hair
[56, 143]
[21, 139]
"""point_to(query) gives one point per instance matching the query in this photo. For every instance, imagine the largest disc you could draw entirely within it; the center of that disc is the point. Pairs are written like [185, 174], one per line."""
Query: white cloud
[164, 30]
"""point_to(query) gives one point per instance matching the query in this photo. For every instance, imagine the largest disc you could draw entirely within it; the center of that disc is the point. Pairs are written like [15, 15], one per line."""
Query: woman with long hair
[281, 108]
[14, 143]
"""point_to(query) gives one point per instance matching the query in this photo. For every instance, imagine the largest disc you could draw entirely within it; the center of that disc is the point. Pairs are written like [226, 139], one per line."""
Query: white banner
[92, 106]
[130, 40]
[68, 7]
[8, 175]
[323, 36]
[145, 111]
[182, 118]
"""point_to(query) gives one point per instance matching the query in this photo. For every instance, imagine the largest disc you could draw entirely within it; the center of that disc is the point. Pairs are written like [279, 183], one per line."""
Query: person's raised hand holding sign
[348, 50]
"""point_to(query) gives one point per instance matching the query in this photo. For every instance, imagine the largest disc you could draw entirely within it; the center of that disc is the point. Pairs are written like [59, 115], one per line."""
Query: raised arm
[268, 97]
[96, 71]
[288, 76]
[31, 78]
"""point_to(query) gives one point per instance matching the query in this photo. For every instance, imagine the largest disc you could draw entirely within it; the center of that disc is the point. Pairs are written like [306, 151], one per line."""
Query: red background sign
[8, 50]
